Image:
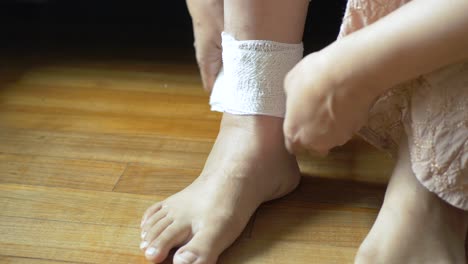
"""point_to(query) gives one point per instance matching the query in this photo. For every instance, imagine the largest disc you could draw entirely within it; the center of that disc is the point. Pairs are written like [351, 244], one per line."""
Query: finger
[312, 144]
[287, 82]
[290, 140]
[302, 147]
[208, 52]
[209, 71]
[318, 145]
[295, 147]
[289, 146]
[320, 152]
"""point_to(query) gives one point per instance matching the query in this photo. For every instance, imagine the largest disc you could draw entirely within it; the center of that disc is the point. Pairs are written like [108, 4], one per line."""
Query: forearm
[418, 38]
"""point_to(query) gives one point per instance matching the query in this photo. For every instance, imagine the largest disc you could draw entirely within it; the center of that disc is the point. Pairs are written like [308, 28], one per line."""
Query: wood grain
[25, 260]
[322, 224]
[150, 179]
[59, 172]
[67, 241]
[87, 146]
[71, 205]
[90, 226]
[281, 252]
[160, 151]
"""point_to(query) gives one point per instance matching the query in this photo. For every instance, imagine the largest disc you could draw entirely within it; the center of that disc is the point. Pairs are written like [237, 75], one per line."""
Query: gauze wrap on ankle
[251, 81]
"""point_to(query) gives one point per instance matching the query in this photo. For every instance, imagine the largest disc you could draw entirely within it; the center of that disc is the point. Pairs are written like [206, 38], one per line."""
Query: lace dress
[431, 110]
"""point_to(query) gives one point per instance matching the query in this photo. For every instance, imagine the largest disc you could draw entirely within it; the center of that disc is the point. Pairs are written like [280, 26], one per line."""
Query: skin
[206, 217]
[253, 22]
[208, 23]
[414, 225]
[275, 20]
[418, 38]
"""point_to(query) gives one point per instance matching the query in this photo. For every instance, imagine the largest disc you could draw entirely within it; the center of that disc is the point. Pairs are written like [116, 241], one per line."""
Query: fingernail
[151, 251]
[143, 245]
[143, 235]
[187, 257]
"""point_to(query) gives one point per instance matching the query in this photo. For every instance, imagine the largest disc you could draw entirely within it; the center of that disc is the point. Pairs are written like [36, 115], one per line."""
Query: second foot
[414, 226]
[247, 166]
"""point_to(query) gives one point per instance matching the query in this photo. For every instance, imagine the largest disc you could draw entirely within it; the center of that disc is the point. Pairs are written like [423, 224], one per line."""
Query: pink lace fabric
[431, 110]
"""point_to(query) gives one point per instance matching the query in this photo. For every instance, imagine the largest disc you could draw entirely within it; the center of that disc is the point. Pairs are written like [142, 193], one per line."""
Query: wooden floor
[87, 146]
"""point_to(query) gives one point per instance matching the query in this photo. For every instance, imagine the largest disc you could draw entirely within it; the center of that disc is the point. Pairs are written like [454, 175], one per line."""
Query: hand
[322, 111]
[208, 23]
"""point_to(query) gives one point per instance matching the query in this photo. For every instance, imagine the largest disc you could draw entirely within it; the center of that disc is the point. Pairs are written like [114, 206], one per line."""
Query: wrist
[346, 67]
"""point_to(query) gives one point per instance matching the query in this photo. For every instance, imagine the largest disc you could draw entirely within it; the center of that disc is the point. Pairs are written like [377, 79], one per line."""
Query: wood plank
[72, 205]
[71, 225]
[78, 206]
[170, 152]
[88, 243]
[58, 123]
[160, 151]
[147, 179]
[322, 224]
[59, 172]
[161, 78]
[37, 102]
[325, 211]
[251, 251]
[22, 260]
[147, 111]
[106, 100]
[54, 121]
[314, 190]
[65, 241]
[93, 226]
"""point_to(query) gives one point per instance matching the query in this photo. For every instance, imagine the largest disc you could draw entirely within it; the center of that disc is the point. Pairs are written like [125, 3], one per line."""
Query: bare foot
[414, 225]
[247, 166]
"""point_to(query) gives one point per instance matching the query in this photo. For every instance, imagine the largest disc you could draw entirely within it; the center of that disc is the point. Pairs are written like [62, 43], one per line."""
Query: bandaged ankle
[251, 81]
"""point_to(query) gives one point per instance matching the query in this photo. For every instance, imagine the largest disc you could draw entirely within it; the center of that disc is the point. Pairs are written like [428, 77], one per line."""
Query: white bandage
[251, 81]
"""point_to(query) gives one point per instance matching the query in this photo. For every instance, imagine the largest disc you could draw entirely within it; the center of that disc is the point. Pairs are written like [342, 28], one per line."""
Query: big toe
[203, 248]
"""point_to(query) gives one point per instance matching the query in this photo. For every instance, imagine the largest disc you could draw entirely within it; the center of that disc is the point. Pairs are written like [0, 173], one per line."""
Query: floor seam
[120, 176]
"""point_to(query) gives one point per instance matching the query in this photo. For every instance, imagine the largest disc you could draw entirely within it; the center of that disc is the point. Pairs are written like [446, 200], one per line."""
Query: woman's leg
[247, 165]
[276, 20]
[414, 225]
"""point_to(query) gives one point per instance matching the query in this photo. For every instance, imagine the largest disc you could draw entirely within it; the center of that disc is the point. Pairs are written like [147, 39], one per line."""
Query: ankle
[259, 124]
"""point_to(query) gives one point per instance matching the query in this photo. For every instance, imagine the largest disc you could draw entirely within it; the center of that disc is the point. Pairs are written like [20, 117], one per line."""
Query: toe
[150, 211]
[185, 257]
[202, 248]
[152, 233]
[153, 220]
[173, 236]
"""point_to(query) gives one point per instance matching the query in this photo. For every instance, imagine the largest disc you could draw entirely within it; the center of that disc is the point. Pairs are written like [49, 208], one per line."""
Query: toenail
[143, 235]
[151, 251]
[187, 257]
[143, 245]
